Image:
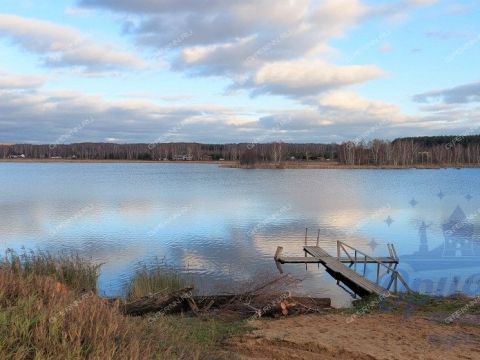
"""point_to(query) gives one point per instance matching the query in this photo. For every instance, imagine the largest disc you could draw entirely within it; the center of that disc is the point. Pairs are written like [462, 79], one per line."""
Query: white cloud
[257, 43]
[14, 81]
[63, 46]
[225, 33]
[348, 100]
[347, 106]
[275, 47]
[306, 77]
[43, 116]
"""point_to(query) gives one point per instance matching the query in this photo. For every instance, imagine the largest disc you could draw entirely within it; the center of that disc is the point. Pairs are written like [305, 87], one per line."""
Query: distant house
[21, 156]
[207, 157]
[55, 157]
[182, 157]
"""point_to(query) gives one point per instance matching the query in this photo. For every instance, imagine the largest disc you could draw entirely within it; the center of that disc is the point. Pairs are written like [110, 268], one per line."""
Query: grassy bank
[151, 280]
[49, 310]
[456, 308]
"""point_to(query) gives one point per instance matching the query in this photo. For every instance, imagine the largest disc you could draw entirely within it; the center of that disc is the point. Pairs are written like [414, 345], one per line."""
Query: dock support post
[277, 257]
[378, 272]
[306, 230]
[278, 253]
[318, 236]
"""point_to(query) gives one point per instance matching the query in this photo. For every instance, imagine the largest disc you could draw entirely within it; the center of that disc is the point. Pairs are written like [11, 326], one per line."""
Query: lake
[223, 225]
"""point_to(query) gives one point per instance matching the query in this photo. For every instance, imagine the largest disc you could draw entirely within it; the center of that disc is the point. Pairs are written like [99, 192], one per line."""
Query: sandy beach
[369, 337]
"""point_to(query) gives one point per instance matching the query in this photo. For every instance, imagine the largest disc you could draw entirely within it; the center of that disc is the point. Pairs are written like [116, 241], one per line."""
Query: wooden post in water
[306, 231]
[318, 236]
[378, 272]
[278, 253]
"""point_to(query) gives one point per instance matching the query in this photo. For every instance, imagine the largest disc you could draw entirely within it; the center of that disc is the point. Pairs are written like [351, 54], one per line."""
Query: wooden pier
[346, 254]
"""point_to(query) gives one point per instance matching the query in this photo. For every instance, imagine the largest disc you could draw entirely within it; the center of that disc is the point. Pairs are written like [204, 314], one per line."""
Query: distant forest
[399, 152]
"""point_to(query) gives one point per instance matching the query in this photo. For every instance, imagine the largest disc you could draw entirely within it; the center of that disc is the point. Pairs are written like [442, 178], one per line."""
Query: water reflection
[225, 224]
[453, 265]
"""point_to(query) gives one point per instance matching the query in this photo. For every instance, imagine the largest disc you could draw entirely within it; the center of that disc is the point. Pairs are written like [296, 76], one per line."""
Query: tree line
[399, 152]
[272, 152]
[435, 150]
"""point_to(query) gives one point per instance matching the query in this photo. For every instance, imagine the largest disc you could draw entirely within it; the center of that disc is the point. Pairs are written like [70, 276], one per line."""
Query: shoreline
[291, 165]
[109, 161]
[333, 165]
[54, 308]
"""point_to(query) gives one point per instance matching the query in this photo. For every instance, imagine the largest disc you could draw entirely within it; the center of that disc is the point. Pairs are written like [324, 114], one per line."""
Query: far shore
[268, 165]
[108, 161]
[336, 165]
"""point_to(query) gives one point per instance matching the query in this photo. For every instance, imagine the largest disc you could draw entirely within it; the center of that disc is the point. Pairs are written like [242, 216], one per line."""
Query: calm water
[225, 224]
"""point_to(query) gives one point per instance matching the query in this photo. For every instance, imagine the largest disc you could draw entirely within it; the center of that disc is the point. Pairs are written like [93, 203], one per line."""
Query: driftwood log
[242, 305]
[264, 300]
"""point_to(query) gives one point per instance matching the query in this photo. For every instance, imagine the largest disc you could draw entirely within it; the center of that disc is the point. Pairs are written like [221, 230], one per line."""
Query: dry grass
[41, 320]
[69, 269]
[154, 279]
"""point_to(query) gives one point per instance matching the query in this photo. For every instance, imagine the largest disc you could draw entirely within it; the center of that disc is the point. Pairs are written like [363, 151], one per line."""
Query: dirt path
[370, 337]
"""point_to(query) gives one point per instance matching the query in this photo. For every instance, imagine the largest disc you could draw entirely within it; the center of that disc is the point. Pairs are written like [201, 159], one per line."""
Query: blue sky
[225, 71]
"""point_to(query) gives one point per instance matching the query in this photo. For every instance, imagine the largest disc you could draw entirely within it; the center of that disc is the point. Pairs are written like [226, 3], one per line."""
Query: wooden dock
[346, 254]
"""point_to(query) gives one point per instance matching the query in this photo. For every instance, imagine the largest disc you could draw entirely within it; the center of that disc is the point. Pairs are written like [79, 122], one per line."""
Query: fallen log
[260, 301]
[183, 301]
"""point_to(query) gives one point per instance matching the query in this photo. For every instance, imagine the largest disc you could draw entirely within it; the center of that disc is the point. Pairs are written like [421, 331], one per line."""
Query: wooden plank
[319, 252]
[297, 260]
[315, 260]
[333, 265]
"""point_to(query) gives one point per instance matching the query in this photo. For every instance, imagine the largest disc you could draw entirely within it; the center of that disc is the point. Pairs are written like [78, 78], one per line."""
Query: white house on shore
[182, 157]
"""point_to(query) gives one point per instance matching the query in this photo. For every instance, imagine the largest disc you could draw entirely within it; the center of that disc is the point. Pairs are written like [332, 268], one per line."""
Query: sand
[377, 336]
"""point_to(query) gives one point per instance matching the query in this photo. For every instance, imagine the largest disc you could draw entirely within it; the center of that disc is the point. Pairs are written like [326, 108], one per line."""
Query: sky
[255, 71]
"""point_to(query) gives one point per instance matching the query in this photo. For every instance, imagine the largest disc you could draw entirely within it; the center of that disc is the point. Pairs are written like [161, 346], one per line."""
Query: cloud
[76, 11]
[267, 47]
[40, 116]
[62, 46]
[419, 2]
[398, 10]
[225, 34]
[256, 43]
[44, 116]
[306, 77]
[348, 101]
[13, 81]
[456, 95]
